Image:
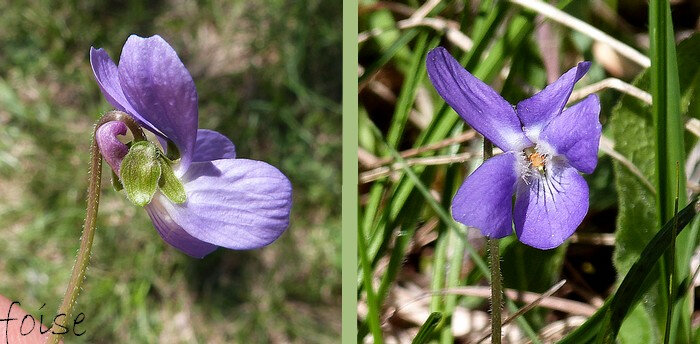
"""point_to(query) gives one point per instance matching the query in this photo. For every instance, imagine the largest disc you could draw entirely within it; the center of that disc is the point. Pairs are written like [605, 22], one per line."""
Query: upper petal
[479, 105]
[485, 199]
[172, 233]
[576, 134]
[107, 75]
[548, 210]
[233, 203]
[536, 111]
[212, 145]
[161, 90]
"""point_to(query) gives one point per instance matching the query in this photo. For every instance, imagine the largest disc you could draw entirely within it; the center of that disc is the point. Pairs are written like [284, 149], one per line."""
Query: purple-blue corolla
[545, 147]
[232, 203]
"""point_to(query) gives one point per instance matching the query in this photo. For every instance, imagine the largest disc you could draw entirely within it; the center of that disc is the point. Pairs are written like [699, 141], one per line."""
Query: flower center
[536, 159]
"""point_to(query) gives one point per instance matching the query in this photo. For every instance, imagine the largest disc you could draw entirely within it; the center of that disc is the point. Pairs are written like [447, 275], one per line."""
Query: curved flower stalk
[545, 147]
[198, 195]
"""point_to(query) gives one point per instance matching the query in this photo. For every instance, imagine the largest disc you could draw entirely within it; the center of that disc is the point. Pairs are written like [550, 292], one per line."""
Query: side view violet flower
[545, 147]
[223, 201]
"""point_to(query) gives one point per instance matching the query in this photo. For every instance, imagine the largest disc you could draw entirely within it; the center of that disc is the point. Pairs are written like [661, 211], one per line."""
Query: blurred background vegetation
[268, 77]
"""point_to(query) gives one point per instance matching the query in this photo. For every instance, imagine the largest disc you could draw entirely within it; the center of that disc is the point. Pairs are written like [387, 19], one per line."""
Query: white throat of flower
[536, 162]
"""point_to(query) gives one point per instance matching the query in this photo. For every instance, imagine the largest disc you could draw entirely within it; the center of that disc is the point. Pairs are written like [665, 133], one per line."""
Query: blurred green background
[268, 77]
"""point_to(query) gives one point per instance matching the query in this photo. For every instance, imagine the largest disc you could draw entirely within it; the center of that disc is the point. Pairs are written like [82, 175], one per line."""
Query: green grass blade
[672, 279]
[401, 42]
[665, 91]
[372, 305]
[458, 242]
[426, 330]
[452, 181]
[407, 96]
[629, 293]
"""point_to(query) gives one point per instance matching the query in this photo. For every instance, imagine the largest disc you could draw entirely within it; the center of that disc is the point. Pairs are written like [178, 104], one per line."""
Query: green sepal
[173, 153]
[169, 185]
[116, 183]
[140, 171]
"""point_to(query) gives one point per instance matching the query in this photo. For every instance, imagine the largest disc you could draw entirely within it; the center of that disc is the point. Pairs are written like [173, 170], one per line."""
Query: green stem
[496, 290]
[495, 257]
[93, 200]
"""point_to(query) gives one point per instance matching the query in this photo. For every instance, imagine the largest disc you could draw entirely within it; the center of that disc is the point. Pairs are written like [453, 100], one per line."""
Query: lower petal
[485, 200]
[233, 203]
[172, 233]
[549, 209]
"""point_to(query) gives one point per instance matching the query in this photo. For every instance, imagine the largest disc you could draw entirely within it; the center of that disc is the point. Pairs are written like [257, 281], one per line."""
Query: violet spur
[227, 202]
[545, 148]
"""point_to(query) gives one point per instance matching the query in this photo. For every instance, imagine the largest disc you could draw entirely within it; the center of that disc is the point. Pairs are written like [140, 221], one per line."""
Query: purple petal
[576, 134]
[548, 210]
[485, 199]
[536, 111]
[212, 145]
[111, 148]
[172, 233]
[475, 101]
[161, 90]
[234, 203]
[107, 76]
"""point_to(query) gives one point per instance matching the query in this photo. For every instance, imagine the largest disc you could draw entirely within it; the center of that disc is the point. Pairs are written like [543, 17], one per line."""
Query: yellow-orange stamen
[536, 159]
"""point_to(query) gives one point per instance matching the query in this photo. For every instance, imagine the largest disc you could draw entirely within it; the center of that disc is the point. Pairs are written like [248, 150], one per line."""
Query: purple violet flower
[545, 147]
[232, 203]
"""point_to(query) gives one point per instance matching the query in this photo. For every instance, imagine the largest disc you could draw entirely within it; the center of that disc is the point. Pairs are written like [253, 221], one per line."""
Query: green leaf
[631, 289]
[608, 318]
[169, 185]
[140, 171]
[633, 131]
[637, 328]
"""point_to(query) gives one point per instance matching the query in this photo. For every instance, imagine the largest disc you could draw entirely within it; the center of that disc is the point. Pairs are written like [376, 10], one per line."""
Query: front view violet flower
[207, 198]
[545, 147]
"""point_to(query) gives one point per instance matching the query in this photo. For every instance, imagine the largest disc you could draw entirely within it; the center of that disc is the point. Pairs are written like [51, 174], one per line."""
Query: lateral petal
[576, 134]
[212, 145]
[485, 199]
